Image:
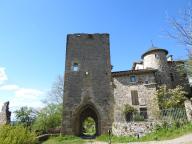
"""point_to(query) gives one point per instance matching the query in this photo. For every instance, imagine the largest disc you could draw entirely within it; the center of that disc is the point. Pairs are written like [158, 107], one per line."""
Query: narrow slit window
[75, 67]
[172, 77]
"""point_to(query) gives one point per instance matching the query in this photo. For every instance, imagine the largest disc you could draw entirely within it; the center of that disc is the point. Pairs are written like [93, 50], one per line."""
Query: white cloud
[21, 96]
[9, 87]
[27, 97]
[23, 92]
[3, 75]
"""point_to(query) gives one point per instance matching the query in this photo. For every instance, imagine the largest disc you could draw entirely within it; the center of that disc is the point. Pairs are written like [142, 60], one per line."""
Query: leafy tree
[48, 117]
[25, 116]
[170, 98]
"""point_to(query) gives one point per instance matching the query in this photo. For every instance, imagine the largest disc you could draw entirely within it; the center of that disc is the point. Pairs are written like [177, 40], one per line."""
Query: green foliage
[25, 116]
[48, 117]
[169, 132]
[65, 140]
[89, 126]
[138, 117]
[171, 98]
[16, 135]
[129, 109]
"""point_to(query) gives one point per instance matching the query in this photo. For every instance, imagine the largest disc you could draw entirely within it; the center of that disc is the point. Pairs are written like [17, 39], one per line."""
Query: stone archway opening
[88, 122]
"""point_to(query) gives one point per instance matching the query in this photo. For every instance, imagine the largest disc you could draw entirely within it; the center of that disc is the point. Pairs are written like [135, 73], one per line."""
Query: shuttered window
[134, 97]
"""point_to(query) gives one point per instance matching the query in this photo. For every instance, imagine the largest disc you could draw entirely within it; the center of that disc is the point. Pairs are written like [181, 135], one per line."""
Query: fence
[173, 114]
[169, 115]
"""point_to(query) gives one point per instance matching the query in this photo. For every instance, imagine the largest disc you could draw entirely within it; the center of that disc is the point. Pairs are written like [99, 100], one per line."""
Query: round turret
[155, 58]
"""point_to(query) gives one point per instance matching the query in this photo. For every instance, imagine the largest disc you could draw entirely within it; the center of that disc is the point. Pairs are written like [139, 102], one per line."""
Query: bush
[138, 117]
[48, 118]
[128, 108]
[16, 135]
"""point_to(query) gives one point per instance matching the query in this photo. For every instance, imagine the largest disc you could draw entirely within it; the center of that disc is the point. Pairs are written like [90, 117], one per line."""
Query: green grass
[65, 140]
[168, 133]
[115, 139]
[160, 134]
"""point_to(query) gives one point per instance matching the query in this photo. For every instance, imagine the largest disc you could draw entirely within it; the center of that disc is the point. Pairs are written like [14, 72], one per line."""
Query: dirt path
[186, 139]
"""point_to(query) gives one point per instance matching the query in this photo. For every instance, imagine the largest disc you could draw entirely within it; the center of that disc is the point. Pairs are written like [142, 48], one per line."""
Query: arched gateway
[87, 91]
[85, 112]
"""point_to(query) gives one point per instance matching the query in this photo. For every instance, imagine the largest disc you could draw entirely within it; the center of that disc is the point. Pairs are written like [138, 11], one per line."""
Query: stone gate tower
[88, 89]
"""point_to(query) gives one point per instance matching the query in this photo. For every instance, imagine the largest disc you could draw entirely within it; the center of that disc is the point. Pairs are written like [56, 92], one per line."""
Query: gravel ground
[186, 139]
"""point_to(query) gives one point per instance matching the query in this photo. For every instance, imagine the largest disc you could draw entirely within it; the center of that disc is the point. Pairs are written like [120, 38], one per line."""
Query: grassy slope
[161, 134]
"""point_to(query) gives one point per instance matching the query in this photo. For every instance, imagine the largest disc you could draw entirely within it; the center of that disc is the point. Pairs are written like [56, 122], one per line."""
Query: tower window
[134, 97]
[75, 67]
[133, 79]
[156, 56]
[171, 76]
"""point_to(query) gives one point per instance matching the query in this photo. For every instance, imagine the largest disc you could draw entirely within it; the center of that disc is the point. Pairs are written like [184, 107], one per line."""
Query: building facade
[91, 89]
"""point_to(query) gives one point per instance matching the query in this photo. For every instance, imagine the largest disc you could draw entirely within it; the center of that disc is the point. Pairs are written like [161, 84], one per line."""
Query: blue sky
[33, 38]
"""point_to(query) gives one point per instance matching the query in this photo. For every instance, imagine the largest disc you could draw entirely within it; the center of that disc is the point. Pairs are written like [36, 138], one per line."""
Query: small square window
[143, 112]
[146, 82]
[157, 56]
[75, 67]
[133, 79]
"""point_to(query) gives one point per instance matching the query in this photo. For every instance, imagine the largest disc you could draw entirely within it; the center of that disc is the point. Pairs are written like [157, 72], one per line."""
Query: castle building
[92, 90]
[137, 87]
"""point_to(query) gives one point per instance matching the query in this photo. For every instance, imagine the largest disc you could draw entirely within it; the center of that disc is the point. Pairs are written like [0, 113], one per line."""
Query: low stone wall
[133, 128]
[188, 108]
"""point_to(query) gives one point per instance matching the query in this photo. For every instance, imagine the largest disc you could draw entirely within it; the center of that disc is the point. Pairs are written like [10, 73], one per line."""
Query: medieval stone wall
[122, 95]
[188, 108]
[5, 114]
[89, 87]
[133, 128]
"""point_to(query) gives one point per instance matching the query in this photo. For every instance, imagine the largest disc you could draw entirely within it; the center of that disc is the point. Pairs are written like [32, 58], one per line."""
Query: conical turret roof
[154, 49]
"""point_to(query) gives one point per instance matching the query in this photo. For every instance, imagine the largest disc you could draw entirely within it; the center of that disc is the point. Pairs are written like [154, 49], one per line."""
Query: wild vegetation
[48, 118]
[171, 98]
[16, 135]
